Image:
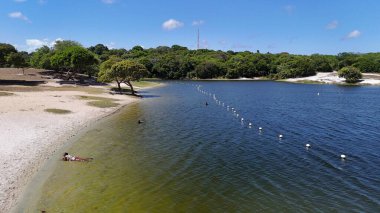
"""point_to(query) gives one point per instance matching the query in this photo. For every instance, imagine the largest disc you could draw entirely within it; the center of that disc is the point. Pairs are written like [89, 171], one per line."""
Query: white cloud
[172, 24]
[198, 22]
[37, 43]
[42, 1]
[289, 9]
[332, 25]
[108, 1]
[19, 1]
[18, 15]
[111, 45]
[353, 34]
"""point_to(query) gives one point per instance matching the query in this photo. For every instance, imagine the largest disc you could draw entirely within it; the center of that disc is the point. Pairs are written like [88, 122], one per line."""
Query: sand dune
[333, 78]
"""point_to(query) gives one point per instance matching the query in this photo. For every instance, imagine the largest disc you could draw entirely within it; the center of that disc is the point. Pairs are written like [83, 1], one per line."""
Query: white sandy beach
[29, 135]
[333, 78]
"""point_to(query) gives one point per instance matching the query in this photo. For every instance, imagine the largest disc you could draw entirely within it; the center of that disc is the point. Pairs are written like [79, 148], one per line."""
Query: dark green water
[188, 157]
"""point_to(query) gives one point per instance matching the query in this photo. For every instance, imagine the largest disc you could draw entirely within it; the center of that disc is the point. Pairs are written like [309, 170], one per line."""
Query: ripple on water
[192, 157]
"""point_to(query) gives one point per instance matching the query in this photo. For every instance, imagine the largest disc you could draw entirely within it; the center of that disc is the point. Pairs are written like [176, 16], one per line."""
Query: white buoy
[343, 157]
[250, 124]
[308, 145]
[318, 93]
[237, 115]
[280, 136]
[260, 128]
[242, 119]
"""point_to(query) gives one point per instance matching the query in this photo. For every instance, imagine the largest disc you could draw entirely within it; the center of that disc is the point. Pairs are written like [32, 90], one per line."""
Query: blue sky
[294, 26]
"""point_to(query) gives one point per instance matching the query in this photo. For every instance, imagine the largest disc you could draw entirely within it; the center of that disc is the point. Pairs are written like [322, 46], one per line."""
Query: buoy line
[235, 113]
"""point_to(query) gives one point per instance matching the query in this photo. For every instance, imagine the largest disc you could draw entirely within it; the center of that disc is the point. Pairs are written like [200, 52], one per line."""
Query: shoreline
[31, 136]
[46, 169]
[372, 79]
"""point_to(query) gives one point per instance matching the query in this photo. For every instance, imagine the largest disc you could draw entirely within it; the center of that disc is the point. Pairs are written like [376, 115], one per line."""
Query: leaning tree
[124, 71]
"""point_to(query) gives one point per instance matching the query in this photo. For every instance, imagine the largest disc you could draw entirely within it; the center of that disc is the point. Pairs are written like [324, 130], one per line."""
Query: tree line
[177, 62]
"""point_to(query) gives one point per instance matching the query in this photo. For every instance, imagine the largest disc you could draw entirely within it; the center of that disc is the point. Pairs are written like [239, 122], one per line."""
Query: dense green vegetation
[351, 74]
[70, 59]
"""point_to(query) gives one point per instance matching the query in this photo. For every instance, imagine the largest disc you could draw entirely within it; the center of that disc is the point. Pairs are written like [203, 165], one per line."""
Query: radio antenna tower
[198, 40]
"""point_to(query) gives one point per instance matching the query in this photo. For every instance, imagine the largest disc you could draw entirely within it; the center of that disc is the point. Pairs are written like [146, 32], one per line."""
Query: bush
[351, 74]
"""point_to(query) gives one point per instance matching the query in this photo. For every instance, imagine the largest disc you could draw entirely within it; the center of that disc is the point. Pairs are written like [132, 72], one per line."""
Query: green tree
[320, 63]
[295, 66]
[74, 60]
[166, 66]
[124, 71]
[368, 62]
[243, 64]
[106, 67]
[135, 53]
[117, 52]
[99, 49]
[351, 74]
[41, 58]
[64, 44]
[18, 60]
[208, 69]
[347, 59]
[232, 74]
[5, 50]
[179, 48]
[147, 62]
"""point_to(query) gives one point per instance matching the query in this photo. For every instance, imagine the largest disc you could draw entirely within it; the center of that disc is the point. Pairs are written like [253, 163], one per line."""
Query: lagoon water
[189, 157]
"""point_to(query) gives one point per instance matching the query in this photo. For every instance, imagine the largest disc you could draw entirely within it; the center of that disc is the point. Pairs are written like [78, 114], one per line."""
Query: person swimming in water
[67, 157]
[140, 122]
[206, 103]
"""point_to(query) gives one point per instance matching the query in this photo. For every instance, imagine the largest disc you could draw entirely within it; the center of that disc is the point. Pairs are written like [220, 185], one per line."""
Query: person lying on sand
[67, 157]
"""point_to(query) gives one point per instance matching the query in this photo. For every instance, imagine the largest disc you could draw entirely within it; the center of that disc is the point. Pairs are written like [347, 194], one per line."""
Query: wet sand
[30, 135]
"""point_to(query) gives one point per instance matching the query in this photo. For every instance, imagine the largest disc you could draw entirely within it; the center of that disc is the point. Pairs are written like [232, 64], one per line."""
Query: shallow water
[189, 157]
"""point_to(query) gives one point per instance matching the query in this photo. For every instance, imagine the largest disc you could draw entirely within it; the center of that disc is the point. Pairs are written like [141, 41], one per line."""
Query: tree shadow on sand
[21, 82]
[125, 91]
